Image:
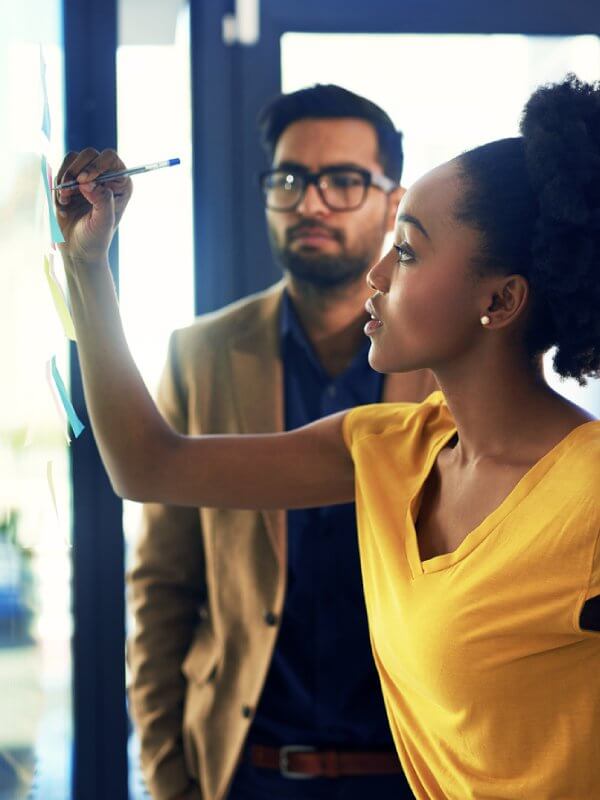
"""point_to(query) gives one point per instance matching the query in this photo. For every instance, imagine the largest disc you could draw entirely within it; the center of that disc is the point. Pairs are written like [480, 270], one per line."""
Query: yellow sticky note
[60, 409]
[50, 477]
[60, 302]
[52, 487]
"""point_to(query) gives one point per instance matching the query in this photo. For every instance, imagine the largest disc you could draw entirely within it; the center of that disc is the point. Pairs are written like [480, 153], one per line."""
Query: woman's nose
[378, 278]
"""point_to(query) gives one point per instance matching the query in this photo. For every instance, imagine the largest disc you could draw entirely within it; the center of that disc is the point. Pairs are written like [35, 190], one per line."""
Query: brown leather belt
[297, 761]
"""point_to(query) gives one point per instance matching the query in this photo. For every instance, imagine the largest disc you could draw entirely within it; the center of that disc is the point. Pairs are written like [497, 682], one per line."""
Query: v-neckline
[475, 536]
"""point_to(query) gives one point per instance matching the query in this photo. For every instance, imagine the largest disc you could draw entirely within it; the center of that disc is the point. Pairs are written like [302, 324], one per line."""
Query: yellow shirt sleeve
[379, 418]
[594, 582]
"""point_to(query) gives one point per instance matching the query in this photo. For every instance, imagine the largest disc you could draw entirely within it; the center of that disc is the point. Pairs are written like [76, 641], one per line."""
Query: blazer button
[270, 618]
[246, 712]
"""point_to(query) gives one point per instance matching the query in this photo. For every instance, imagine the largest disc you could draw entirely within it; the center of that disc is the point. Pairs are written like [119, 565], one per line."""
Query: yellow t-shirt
[492, 689]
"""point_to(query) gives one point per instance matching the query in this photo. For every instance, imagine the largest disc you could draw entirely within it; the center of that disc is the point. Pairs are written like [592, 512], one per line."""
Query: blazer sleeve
[167, 595]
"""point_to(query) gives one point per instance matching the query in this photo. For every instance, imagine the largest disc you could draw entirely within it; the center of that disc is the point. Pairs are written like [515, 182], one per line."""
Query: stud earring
[485, 320]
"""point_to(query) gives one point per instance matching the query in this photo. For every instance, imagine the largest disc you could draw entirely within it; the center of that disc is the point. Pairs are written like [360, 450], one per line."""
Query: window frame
[100, 724]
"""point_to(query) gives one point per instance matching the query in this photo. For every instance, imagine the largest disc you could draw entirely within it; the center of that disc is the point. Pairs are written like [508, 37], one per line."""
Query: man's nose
[312, 203]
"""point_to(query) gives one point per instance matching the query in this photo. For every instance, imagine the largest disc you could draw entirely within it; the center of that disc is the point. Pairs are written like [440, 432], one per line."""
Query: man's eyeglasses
[340, 188]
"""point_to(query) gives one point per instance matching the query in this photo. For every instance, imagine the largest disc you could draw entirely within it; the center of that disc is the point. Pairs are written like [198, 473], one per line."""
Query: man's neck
[332, 320]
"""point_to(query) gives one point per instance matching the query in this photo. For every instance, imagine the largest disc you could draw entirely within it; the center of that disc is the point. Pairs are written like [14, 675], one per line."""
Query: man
[251, 661]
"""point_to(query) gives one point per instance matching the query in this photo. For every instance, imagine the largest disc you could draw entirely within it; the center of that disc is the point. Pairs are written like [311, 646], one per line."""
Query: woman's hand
[88, 215]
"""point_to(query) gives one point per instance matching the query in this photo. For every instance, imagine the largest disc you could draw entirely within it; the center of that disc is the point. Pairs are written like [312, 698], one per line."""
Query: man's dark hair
[331, 102]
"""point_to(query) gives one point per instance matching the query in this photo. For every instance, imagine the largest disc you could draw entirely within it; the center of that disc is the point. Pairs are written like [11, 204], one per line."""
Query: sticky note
[55, 230]
[76, 425]
[57, 401]
[46, 124]
[50, 477]
[59, 299]
[51, 486]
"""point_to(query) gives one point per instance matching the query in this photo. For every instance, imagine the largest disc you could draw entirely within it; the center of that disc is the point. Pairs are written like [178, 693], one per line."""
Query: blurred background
[163, 79]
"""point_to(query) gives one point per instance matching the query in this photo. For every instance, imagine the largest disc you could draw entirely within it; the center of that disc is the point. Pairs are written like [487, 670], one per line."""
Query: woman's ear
[394, 198]
[508, 302]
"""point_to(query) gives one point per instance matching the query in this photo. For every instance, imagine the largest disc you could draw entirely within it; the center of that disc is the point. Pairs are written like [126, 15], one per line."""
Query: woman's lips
[372, 325]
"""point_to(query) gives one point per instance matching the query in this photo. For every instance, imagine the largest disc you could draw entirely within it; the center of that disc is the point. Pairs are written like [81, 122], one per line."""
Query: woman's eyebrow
[413, 221]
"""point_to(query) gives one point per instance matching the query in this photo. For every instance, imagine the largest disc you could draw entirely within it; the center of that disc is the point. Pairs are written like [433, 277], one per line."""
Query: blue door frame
[99, 711]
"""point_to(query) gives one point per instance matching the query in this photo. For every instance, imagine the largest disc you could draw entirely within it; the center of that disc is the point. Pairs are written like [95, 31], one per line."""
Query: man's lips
[311, 235]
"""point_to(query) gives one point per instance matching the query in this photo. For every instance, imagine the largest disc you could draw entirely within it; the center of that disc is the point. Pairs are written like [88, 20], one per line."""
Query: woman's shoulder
[385, 419]
[581, 458]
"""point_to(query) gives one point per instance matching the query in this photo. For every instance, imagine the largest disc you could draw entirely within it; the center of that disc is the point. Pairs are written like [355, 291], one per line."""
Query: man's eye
[343, 181]
[405, 254]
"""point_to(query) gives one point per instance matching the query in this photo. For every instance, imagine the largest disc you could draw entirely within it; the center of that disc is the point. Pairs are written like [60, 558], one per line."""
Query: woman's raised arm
[146, 460]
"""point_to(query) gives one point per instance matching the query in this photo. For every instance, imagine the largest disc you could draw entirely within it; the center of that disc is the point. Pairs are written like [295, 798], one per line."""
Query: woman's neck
[505, 410]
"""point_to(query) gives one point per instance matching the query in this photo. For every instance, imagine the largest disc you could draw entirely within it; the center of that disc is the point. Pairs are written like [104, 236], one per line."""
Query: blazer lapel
[258, 390]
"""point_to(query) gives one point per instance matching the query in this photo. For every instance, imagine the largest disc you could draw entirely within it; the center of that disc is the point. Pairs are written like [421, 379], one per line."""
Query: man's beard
[319, 270]
[322, 271]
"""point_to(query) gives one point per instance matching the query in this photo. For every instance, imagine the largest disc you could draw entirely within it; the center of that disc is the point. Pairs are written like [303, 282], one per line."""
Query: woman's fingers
[89, 212]
[73, 164]
[106, 161]
[88, 165]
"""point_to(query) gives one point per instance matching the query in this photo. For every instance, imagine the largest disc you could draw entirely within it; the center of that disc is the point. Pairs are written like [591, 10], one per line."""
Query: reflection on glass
[447, 93]
[35, 565]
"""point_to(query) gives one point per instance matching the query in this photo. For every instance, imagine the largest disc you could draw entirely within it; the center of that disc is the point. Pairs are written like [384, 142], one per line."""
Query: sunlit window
[156, 240]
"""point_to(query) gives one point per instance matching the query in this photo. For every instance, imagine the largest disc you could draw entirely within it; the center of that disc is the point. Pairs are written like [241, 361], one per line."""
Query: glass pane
[428, 86]
[155, 241]
[35, 522]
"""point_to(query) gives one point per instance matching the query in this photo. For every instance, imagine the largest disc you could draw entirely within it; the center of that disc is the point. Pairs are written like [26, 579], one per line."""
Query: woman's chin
[388, 364]
[377, 360]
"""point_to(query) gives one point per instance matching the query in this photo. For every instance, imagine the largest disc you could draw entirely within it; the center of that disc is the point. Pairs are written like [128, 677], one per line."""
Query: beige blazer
[204, 581]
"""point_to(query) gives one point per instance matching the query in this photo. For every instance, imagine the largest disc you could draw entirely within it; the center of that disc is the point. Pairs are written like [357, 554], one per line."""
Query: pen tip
[173, 161]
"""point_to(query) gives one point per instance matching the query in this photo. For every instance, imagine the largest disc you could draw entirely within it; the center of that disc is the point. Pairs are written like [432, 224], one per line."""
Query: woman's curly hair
[536, 201]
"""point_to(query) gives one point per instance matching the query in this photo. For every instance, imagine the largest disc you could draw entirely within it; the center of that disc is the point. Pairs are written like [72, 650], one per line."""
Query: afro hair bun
[561, 134]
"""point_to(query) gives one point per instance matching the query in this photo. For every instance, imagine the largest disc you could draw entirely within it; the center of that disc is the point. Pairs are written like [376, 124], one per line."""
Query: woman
[479, 511]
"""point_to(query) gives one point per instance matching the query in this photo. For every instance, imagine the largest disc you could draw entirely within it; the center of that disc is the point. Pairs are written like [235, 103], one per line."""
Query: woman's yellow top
[492, 689]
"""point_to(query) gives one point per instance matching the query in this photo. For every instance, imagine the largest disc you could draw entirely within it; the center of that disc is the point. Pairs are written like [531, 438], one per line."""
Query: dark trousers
[252, 783]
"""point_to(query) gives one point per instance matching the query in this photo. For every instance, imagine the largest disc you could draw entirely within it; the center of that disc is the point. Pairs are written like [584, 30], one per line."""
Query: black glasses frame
[309, 178]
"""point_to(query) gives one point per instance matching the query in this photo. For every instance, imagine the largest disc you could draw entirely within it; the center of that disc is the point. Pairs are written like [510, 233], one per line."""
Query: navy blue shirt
[322, 688]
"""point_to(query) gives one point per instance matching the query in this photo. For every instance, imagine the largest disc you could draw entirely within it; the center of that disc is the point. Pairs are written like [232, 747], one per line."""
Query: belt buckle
[284, 753]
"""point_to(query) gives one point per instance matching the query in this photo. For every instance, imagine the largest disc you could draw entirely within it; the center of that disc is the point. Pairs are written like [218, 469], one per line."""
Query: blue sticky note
[74, 421]
[55, 230]
[46, 125]
[46, 119]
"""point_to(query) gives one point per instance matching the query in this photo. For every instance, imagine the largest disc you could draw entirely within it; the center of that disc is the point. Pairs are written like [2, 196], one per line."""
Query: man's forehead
[320, 142]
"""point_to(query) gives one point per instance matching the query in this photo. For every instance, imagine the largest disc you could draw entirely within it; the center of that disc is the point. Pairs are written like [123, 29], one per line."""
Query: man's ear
[393, 202]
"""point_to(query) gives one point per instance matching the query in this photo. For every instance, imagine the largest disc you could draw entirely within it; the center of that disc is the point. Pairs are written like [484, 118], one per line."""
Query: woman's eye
[405, 254]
